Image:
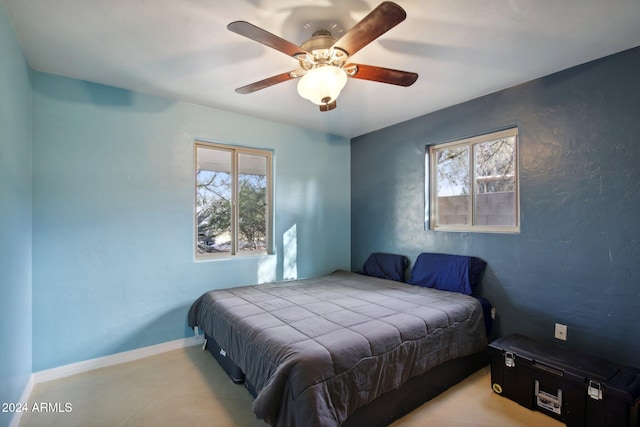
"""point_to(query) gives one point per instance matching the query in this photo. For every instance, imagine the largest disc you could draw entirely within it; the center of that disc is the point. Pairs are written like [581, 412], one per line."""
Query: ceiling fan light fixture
[322, 85]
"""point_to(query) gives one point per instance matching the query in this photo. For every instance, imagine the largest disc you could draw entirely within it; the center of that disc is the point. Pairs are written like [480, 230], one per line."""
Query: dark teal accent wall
[576, 259]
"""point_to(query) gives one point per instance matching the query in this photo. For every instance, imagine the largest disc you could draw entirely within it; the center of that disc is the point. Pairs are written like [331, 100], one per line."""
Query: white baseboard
[15, 421]
[100, 362]
[113, 359]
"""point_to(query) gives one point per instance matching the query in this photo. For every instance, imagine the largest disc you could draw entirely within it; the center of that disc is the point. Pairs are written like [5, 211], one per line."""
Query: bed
[347, 348]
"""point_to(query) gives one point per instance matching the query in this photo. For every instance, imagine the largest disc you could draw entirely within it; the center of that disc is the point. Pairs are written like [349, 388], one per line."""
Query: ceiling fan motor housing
[321, 39]
[321, 52]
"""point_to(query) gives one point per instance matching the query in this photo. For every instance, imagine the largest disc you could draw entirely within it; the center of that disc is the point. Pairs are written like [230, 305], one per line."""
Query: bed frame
[389, 406]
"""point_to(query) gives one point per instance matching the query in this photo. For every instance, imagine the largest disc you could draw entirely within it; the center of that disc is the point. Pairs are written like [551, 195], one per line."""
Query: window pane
[473, 185]
[452, 186]
[252, 203]
[233, 201]
[495, 181]
[213, 200]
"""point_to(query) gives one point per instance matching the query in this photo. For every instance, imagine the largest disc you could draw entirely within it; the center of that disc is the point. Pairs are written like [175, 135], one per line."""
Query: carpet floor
[187, 387]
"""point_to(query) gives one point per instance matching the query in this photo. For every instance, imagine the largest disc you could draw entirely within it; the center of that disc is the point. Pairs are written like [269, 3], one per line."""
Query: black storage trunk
[236, 374]
[576, 389]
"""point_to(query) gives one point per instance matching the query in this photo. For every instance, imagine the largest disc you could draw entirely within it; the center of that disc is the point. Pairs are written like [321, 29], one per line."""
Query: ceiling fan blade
[383, 75]
[265, 83]
[266, 38]
[380, 20]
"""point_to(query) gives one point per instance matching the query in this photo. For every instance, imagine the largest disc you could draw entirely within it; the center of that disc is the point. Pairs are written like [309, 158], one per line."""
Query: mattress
[317, 350]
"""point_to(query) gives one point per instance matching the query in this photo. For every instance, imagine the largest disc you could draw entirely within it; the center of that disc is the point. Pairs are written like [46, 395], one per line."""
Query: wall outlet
[561, 332]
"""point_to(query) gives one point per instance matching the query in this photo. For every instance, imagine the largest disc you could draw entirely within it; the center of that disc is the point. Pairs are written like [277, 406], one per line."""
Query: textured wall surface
[113, 191]
[15, 218]
[575, 260]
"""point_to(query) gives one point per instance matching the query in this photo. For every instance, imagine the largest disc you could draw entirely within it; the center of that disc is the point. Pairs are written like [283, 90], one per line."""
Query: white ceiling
[181, 49]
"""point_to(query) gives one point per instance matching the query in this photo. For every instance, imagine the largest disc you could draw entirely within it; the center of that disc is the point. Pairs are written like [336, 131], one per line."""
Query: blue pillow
[386, 266]
[454, 273]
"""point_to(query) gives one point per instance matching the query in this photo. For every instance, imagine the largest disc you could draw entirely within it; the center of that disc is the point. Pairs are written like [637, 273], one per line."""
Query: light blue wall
[576, 258]
[15, 218]
[113, 215]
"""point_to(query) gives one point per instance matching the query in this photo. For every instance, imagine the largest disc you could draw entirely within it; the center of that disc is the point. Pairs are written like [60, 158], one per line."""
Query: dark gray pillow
[386, 266]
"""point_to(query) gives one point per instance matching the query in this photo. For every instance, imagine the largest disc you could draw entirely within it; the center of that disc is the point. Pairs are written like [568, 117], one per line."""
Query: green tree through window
[233, 201]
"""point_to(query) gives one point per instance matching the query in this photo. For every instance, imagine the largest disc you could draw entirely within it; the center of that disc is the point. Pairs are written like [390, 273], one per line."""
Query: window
[473, 184]
[233, 201]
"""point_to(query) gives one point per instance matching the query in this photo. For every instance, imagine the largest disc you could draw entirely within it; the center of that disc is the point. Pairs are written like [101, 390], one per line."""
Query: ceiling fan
[323, 59]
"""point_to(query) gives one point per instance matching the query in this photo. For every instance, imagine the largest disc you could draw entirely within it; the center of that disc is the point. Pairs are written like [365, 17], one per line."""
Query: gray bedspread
[318, 349]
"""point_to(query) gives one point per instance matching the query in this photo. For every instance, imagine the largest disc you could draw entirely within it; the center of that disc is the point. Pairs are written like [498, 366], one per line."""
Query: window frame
[235, 151]
[431, 204]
